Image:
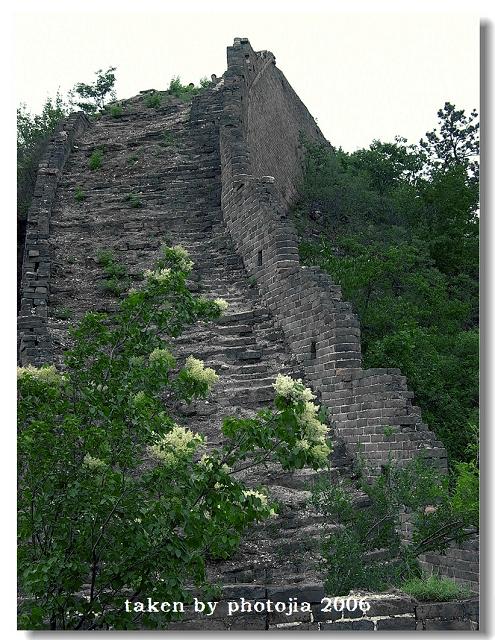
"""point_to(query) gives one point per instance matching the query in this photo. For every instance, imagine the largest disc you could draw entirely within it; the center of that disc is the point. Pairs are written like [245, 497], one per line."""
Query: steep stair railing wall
[322, 330]
[34, 343]
[261, 156]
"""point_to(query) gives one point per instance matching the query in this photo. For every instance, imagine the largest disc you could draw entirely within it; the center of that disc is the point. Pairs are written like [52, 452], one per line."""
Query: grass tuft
[96, 159]
[435, 589]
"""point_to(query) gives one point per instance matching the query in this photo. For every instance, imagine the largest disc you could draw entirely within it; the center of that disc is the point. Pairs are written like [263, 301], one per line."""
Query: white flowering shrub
[176, 447]
[116, 498]
[47, 375]
[222, 304]
[195, 378]
[160, 275]
[161, 357]
[182, 259]
[93, 463]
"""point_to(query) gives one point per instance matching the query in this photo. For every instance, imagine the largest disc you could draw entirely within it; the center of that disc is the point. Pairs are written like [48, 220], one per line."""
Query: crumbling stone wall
[34, 344]
[258, 608]
[387, 612]
[261, 164]
[460, 562]
[322, 330]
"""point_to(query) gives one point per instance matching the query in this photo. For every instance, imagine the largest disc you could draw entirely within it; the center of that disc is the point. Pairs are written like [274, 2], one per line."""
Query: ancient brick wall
[372, 409]
[34, 343]
[276, 117]
[322, 330]
[460, 562]
[262, 608]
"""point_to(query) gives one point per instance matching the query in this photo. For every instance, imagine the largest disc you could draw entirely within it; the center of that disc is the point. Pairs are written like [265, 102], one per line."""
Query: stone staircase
[169, 158]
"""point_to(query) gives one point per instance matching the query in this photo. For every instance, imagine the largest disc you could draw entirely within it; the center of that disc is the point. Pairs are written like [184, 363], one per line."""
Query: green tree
[397, 226]
[118, 501]
[456, 143]
[94, 96]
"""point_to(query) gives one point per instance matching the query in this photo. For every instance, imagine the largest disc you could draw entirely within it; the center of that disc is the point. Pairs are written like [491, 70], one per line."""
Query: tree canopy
[397, 225]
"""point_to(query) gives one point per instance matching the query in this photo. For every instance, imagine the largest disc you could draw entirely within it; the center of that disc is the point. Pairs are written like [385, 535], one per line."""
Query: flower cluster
[160, 275]
[312, 425]
[263, 498]
[222, 304]
[162, 356]
[320, 453]
[47, 375]
[257, 494]
[197, 370]
[183, 261]
[206, 461]
[93, 463]
[176, 446]
[291, 389]
[313, 431]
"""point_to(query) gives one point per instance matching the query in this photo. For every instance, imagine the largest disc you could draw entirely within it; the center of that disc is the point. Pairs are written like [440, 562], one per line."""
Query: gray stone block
[396, 624]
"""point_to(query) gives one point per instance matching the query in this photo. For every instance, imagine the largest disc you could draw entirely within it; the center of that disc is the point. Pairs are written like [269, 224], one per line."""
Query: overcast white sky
[361, 75]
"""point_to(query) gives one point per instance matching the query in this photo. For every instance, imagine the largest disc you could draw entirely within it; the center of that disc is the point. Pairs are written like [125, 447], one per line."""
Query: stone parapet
[34, 342]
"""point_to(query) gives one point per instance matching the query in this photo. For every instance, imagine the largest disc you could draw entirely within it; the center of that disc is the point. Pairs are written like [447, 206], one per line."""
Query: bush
[167, 139]
[442, 510]
[79, 195]
[116, 110]
[116, 500]
[182, 91]
[388, 431]
[134, 200]
[117, 281]
[204, 83]
[434, 589]
[61, 313]
[114, 286]
[96, 159]
[153, 100]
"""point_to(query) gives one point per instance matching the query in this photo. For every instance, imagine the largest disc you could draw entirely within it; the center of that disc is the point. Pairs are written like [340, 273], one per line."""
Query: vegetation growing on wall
[93, 97]
[186, 92]
[434, 589]
[34, 130]
[397, 226]
[367, 551]
[116, 500]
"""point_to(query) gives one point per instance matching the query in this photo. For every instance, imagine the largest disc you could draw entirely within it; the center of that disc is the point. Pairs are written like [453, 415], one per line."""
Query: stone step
[239, 329]
[248, 381]
[245, 317]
